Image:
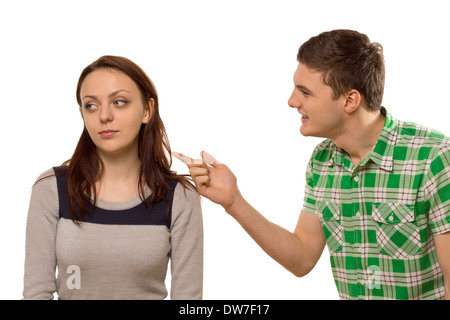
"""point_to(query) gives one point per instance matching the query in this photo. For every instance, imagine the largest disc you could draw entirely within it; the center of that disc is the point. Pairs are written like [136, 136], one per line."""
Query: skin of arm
[297, 251]
[442, 242]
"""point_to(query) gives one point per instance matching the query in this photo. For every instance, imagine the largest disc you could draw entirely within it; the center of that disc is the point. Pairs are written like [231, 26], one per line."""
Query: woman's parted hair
[85, 167]
[348, 60]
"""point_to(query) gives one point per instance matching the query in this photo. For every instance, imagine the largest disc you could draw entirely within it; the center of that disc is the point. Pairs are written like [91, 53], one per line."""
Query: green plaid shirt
[379, 218]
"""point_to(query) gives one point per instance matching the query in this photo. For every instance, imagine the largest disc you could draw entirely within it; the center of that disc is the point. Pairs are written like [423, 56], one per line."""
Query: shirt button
[391, 218]
[358, 215]
[356, 178]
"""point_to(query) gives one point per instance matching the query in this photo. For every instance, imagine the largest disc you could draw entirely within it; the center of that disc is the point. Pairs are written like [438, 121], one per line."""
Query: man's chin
[309, 133]
[304, 132]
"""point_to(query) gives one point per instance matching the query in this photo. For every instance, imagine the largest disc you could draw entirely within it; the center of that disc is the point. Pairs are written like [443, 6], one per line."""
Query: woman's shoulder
[44, 196]
[185, 198]
[49, 176]
[46, 175]
[185, 191]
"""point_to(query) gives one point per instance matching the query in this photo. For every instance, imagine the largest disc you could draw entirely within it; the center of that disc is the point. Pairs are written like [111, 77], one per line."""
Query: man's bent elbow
[300, 272]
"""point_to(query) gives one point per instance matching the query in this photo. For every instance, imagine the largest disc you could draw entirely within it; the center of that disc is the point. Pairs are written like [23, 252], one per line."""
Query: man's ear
[353, 101]
[149, 110]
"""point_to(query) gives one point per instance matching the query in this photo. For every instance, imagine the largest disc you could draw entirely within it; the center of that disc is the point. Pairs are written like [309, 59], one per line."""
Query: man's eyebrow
[303, 88]
[112, 94]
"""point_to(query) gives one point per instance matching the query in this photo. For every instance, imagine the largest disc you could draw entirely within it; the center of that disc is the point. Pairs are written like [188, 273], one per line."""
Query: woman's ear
[353, 101]
[81, 112]
[148, 111]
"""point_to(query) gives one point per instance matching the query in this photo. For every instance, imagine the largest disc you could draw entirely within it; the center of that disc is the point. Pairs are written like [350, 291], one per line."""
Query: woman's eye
[120, 103]
[90, 106]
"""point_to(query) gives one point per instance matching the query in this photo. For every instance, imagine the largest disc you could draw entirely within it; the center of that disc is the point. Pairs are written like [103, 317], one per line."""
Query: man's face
[322, 116]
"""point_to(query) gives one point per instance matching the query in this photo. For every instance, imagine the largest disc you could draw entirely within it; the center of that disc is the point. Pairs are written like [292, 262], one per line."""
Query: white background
[223, 70]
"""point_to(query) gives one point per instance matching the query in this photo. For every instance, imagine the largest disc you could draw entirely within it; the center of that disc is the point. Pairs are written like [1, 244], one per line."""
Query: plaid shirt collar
[382, 153]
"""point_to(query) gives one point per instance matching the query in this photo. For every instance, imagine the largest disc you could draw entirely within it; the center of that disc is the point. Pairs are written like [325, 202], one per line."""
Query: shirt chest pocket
[397, 232]
[330, 217]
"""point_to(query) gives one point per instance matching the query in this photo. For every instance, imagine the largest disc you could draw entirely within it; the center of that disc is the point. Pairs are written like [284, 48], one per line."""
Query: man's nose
[295, 100]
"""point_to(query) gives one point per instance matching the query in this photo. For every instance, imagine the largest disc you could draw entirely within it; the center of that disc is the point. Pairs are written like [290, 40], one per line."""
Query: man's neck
[360, 134]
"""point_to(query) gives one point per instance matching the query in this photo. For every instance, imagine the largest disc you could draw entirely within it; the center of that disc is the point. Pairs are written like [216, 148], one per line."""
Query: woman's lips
[108, 133]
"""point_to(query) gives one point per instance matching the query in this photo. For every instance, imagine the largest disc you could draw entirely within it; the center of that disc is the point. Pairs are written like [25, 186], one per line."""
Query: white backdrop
[223, 70]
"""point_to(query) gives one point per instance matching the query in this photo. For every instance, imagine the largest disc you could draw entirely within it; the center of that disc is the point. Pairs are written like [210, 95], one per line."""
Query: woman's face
[113, 111]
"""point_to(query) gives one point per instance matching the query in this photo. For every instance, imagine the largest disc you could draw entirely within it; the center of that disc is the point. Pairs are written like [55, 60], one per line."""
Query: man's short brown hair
[348, 60]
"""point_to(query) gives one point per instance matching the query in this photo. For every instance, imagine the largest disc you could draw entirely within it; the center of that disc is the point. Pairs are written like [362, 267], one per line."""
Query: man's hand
[214, 180]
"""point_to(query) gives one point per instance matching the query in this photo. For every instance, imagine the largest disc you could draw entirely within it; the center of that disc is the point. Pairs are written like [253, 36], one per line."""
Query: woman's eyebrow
[116, 92]
[89, 97]
[112, 94]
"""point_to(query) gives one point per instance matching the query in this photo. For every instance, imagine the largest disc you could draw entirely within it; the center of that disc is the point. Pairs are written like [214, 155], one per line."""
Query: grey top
[112, 261]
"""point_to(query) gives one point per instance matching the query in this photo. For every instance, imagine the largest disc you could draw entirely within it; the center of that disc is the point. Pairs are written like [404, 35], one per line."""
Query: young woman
[110, 218]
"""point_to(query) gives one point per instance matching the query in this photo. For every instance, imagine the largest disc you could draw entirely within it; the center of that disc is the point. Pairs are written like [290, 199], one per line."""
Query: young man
[377, 189]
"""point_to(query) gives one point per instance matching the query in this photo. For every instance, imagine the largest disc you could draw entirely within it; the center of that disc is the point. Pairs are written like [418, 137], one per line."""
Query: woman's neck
[120, 177]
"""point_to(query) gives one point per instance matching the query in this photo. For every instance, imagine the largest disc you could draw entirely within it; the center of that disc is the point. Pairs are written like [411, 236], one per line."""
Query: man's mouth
[303, 116]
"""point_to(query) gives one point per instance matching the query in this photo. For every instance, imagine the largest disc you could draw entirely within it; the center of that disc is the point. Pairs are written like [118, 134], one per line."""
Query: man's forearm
[283, 246]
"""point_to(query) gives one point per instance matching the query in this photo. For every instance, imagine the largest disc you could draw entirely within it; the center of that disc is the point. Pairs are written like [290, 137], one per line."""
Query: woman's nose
[106, 114]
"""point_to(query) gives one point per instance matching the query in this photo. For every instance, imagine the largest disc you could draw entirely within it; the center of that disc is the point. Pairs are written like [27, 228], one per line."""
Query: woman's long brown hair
[85, 167]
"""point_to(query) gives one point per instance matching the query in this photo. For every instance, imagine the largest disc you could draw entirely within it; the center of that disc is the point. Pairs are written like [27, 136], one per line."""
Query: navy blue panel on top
[138, 215]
